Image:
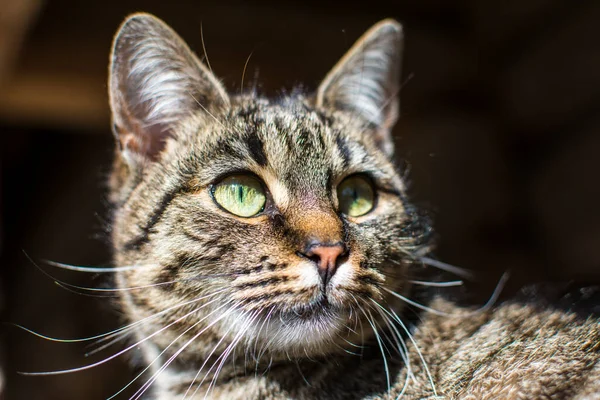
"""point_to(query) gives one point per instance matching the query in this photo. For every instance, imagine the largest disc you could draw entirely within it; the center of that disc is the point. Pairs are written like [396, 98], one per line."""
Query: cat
[266, 249]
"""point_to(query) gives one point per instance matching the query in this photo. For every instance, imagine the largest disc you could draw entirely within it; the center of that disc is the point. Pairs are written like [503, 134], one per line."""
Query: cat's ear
[366, 80]
[155, 81]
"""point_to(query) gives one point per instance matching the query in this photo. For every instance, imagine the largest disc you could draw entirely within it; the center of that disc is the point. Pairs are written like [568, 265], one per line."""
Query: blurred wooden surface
[15, 20]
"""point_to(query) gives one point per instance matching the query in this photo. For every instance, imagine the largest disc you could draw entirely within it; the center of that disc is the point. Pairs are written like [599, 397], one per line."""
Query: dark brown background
[500, 128]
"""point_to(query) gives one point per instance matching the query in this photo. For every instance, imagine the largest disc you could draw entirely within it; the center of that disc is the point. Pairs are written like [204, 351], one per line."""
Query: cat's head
[277, 223]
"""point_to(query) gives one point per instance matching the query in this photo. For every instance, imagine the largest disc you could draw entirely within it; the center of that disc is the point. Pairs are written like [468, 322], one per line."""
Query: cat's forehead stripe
[256, 149]
[344, 151]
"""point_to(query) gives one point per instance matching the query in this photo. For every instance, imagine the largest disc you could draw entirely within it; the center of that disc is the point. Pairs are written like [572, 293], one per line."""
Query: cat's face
[275, 224]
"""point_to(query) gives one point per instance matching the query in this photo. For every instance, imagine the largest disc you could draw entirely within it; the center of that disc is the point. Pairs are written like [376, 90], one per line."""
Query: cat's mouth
[311, 328]
[319, 310]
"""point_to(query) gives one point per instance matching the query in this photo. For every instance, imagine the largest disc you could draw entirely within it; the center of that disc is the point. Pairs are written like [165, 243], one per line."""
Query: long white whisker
[69, 286]
[447, 267]
[149, 383]
[265, 321]
[437, 284]
[429, 376]
[205, 361]
[359, 323]
[164, 350]
[400, 344]
[409, 372]
[65, 371]
[244, 73]
[380, 343]
[204, 48]
[258, 355]
[418, 305]
[131, 288]
[123, 328]
[97, 270]
[106, 345]
[227, 352]
[493, 298]
[208, 112]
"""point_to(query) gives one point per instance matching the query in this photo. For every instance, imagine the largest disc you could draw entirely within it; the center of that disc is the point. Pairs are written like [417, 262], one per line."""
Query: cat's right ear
[155, 81]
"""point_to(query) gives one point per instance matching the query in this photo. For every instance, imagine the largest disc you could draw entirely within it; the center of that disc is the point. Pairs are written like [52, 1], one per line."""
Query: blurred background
[500, 129]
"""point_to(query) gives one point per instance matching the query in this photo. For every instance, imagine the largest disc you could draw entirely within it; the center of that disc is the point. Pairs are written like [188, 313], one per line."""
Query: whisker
[302, 374]
[64, 285]
[492, 300]
[131, 288]
[208, 112]
[123, 328]
[448, 267]
[410, 337]
[165, 311]
[205, 361]
[400, 345]
[496, 294]
[52, 339]
[437, 284]
[164, 350]
[265, 321]
[266, 344]
[68, 286]
[351, 344]
[89, 366]
[359, 323]
[396, 335]
[204, 48]
[244, 73]
[379, 342]
[98, 269]
[106, 345]
[418, 305]
[149, 383]
[71, 289]
[226, 354]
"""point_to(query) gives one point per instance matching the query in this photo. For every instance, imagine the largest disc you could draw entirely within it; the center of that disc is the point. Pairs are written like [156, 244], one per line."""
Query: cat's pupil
[240, 190]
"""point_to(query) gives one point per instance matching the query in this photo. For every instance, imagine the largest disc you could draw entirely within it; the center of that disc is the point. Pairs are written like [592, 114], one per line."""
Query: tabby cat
[266, 248]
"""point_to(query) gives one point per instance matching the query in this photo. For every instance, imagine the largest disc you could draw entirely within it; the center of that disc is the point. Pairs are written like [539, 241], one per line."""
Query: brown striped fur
[205, 279]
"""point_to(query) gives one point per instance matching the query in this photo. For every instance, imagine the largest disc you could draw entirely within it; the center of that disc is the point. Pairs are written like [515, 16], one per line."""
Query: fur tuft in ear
[155, 81]
[366, 81]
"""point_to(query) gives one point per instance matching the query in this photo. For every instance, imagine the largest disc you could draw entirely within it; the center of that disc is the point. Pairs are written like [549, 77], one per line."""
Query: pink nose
[326, 257]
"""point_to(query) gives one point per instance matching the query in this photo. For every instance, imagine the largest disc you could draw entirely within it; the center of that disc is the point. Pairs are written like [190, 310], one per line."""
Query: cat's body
[516, 351]
[262, 242]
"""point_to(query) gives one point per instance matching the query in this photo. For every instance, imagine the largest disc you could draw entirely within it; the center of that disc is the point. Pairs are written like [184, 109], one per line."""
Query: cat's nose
[326, 256]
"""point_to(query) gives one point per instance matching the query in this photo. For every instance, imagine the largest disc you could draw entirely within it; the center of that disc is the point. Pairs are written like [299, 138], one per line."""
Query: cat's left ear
[366, 80]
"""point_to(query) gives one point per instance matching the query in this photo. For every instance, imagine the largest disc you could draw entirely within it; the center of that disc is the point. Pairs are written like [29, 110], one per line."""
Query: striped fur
[224, 299]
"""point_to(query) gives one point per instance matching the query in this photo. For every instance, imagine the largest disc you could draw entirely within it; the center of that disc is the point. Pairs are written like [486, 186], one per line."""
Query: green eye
[241, 195]
[356, 196]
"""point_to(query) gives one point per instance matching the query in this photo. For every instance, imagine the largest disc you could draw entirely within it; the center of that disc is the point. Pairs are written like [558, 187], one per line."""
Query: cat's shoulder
[544, 342]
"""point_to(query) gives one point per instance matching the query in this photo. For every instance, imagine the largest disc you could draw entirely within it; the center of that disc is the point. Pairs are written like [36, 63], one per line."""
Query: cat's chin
[305, 330]
[314, 329]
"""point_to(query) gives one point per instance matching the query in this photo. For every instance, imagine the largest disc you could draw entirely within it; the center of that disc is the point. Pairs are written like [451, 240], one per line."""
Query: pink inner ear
[148, 142]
